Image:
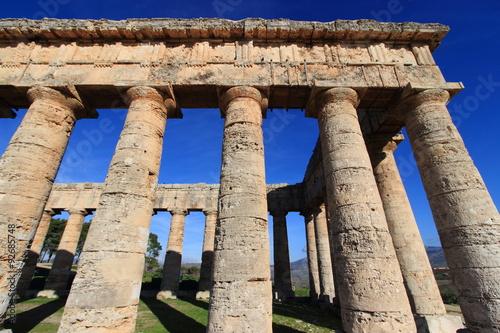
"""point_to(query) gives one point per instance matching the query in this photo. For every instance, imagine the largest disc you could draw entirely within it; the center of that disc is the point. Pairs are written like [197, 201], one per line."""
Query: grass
[42, 315]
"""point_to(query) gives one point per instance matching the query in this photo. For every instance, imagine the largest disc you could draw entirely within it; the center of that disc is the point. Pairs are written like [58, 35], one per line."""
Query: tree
[152, 253]
[54, 234]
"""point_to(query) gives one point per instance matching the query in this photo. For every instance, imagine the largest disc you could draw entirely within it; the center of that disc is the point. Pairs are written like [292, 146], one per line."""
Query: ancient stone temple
[362, 80]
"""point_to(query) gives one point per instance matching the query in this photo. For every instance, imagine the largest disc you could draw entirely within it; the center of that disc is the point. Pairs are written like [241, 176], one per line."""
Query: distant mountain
[300, 270]
[436, 256]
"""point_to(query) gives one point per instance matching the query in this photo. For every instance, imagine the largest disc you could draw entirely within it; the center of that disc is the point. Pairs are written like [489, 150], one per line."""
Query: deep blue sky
[192, 149]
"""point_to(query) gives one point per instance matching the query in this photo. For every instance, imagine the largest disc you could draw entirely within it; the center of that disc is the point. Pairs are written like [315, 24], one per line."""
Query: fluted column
[312, 255]
[173, 258]
[241, 299]
[34, 252]
[465, 215]
[27, 171]
[282, 277]
[105, 293]
[423, 291]
[207, 257]
[61, 267]
[370, 285]
[327, 287]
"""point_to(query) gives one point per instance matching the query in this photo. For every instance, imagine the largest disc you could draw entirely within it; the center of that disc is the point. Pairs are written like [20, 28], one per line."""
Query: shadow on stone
[173, 320]
[27, 320]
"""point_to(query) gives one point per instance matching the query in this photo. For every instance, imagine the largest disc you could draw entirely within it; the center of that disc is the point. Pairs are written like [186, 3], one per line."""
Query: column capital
[66, 97]
[413, 99]
[49, 211]
[385, 144]
[319, 98]
[178, 211]
[226, 96]
[151, 93]
[77, 211]
[208, 212]
[278, 213]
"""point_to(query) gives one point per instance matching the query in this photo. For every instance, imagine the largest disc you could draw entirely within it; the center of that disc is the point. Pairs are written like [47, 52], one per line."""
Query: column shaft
[105, 292]
[27, 171]
[241, 299]
[465, 215]
[34, 252]
[420, 283]
[371, 290]
[327, 287]
[207, 257]
[312, 256]
[173, 258]
[282, 275]
[61, 267]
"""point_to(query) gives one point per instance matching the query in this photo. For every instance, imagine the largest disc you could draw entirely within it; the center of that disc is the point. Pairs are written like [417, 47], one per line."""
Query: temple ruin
[362, 80]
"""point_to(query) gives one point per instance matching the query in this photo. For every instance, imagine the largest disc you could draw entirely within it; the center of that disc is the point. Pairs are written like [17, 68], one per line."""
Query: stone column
[371, 290]
[312, 256]
[34, 252]
[105, 292]
[327, 287]
[173, 258]
[465, 215]
[207, 257]
[241, 299]
[57, 280]
[282, 277]
[27, 171]
[421, 286]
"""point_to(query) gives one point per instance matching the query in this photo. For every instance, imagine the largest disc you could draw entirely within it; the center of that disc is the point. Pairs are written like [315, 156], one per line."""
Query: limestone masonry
[363, 80]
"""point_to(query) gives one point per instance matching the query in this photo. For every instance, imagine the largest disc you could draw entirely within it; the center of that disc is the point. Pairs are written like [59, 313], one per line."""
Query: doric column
[241, 299]
[370, 285]
[327, 287]
[282, 277]
[105, 292]
[312, 255]
[61, 268]
[34, 252]
[173, 258]
[421, 285]
[207, 257]
[27, 171]
[465, 215]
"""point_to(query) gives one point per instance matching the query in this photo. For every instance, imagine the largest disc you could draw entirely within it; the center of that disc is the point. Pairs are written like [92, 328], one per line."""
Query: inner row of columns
[359, 232]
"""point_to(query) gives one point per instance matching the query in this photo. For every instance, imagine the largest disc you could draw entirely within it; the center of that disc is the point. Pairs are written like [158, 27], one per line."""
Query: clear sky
[192, 147]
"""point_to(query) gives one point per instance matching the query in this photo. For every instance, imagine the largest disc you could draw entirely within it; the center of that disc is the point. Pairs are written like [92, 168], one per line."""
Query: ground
[177, 316]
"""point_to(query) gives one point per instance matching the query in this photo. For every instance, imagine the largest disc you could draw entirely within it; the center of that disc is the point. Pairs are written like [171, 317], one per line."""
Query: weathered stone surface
[173, 257]
[326, 279]
[217, 53]
[34, 252]
[312, 255]
[420, 283]
[105, 292]
[241, 299]
[371, 290]
[61, 267]
[192, 196]
[207, 257]
[282, 277]
[467, 220]
[27, 170]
